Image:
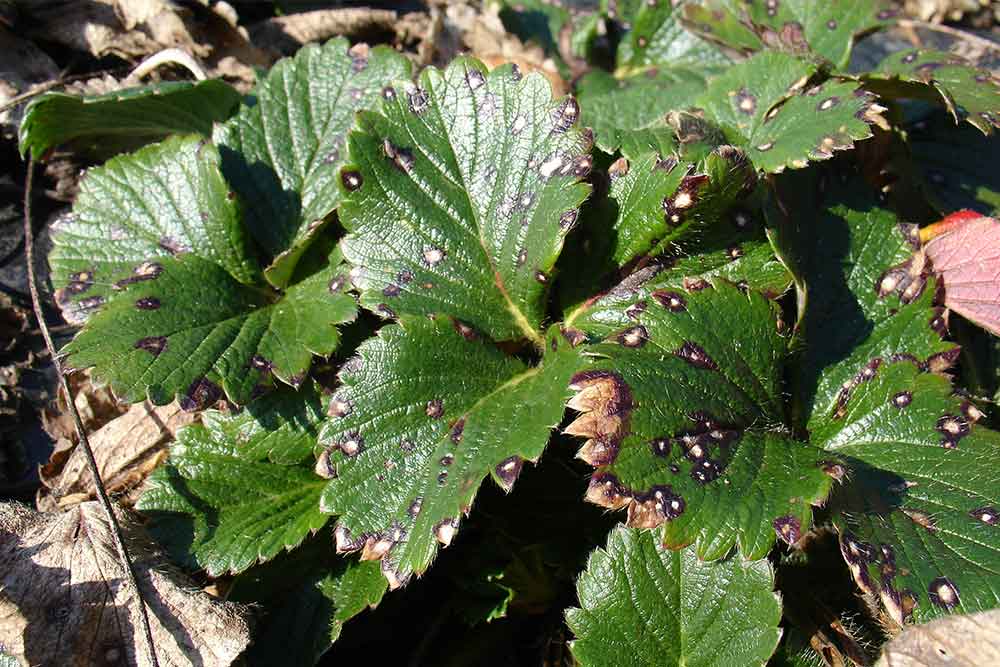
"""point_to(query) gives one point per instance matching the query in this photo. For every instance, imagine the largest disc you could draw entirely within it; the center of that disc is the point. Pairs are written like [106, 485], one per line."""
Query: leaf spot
[152, 344]
[788, 528]
[351, 179]
[943, 592]
[695, 355]
[670, 300]
[435, 408]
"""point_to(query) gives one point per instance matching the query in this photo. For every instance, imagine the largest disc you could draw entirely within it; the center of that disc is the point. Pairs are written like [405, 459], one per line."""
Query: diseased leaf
[801, 27]
[917, 510]
[280, 427]
[761, 105]
[185, 328]
[665, 608]
[100, 126]
[282, 152]
[64, 600]
[657, 38]
[307, 596]
[463, 188]
[629, 113]
[164, 200]
[424, 414]
[969, 93]
[961, 640]
[698, 457]
[235, 511]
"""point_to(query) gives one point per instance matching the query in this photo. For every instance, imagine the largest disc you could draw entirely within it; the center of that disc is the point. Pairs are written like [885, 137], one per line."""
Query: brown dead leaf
[961, 641]
[64, 600]
[97, 406]
[22, 67]
[287, 33]
[127, 449]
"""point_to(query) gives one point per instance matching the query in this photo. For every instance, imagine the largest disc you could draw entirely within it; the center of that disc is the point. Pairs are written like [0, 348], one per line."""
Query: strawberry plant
[392, 292]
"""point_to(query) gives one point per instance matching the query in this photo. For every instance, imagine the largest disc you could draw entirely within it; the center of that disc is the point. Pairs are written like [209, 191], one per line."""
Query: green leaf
[237, 512]
[280, 427]
[666, 608]
[628, 113]
[657, 38]
[952, 181]
[183, 327]
[802, 27]
[308, 595]
[918, 507]
[100, 126]
[164, 200]
[464, 187]
[762, 108]
[704, 458]
[282, 152]
[969, 93]
[424, 414]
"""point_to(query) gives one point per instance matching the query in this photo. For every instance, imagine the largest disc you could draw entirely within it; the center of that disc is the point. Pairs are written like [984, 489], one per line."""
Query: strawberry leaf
[762, 108]
[697, 459]
[100, 126]
[801, 27]
[426, 411]
[164, 200]
[663, 607]
[184, 327]
[967, 92]
[657, 38]
[282, 152]
[464, 187]
[918, 508]
[236, 512]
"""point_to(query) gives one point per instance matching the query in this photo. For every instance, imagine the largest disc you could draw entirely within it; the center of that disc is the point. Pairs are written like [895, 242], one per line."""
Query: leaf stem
[29, 252]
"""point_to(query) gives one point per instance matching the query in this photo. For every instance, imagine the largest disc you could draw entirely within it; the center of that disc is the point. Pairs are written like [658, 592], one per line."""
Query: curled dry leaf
[95, 403]
[64, 600]
[127, 449]
[960, 640]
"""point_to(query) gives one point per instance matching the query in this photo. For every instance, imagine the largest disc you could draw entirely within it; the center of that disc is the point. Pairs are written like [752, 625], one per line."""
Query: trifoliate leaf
[685, 382]
[164, 200]
[643, 605]
[185, 328]
[656, 37]
[280, 427]
[763, 109]
[307, 596]
[236, 511]
[801, 27]
[918, 507]
[969, 93]
[282, 152]
[463, 189]
[103, 125]
[426, 411]
[628, 113]
[951, 180]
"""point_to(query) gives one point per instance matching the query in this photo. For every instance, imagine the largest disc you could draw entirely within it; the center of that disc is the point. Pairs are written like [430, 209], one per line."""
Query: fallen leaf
[127, 449]
[64, 600]
[95, 403]
[961, 641]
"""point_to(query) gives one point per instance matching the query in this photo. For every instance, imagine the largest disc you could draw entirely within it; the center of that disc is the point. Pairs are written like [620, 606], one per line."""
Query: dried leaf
[64, 600]
[127, 449]
[961, 640]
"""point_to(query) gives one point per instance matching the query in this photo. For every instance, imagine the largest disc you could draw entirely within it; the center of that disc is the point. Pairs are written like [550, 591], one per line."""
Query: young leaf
[236, 511]
[967, 92]
[164, 200]
[184, 327]
[100, 126]
[697, 458]
[462, 190]
[660, 607]
[761, 106]
[425, 413]
[282, 153]
[917, 510]
[802, 27]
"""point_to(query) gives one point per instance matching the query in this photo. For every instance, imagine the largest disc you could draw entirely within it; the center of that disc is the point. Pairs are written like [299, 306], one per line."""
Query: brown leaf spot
[788, 529]
[605, 404]
[152, 344]
[147, 303]
[672, 301]
[634, 337]
[435, 408]
[695, 355]
[201, 394]
[943, 593]
[508, 470]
